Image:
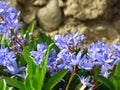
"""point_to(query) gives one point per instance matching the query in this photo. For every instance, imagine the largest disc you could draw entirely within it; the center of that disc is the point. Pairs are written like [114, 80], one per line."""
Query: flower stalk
[71, 77]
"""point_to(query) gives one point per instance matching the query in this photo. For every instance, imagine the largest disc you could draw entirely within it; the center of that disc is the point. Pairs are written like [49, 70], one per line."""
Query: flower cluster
[98, 54]
[39, 55]
[8, 61]
[102, 55]
[8, 17]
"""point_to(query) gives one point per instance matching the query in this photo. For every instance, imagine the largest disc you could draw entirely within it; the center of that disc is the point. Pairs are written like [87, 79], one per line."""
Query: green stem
[71, 77]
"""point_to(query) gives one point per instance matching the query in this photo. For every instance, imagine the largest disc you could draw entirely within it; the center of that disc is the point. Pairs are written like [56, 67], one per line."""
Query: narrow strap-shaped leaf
[3, 39]
[44, 64]
[30, 28]
[106, 82]
[15, 83]
[55, 79]
[3, 85]
[117, 70]
[36, 73]
[30, 61]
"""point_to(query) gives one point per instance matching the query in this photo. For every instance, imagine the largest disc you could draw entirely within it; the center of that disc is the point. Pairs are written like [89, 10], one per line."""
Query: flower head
[100, 55]
[8, 60]
[69, 41]
[38, 56]
[8, 17]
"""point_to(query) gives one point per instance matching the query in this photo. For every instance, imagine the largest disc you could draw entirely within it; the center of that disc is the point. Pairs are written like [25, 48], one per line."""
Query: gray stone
[28, 11]
[40, 2]
[89, 9]
[50, 16]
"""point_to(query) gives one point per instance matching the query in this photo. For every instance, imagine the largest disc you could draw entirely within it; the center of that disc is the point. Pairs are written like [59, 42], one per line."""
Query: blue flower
[64, 60]
[8, 17]
[8, 60]
[84, 63]
[85, 81]
[116, 48]
[101, 55]
[39, 54]
[13, 69]
[69, 41]
[6, 56]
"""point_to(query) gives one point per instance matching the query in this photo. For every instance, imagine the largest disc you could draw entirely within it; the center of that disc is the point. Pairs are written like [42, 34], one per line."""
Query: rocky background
[96, 19]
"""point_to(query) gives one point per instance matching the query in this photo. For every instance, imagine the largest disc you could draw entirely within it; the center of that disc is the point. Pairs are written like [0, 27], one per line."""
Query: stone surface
[12, 2]
[28, 11]
[50, 16]
[97, 19]
[89, 9]
[40, 2]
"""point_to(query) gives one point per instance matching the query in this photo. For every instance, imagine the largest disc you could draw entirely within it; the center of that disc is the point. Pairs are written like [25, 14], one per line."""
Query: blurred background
[96, 19]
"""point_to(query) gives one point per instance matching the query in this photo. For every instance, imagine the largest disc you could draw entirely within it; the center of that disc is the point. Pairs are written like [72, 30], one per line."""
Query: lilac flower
[6, 56]
[13, 69]
[84, 63]
[65, 60]
[51, 67]
[100, 55]
[8, 17]
[39, 55]
[69, 41]
[8, 60]
[85, 81]
[116, 48]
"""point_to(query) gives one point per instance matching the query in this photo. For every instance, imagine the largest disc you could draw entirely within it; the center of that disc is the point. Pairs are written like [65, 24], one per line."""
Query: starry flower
[8, 60]
[116, 49]
[84, 63]
[12, 68]
[101, 55]
[38, 56]
[65, 60]
[85, 81]
[8, 16]
[69, 41]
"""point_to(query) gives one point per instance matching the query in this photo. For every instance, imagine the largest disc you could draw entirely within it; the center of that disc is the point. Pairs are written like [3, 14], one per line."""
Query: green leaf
[3, 39]
[30, 61]
[55, 79]
[84, 52]
[106, 82]
[29, 31]
[44, 38]
[116, 82]
[30, 28]
[117, 70]
[44, 64]
[14, 83]
[32, 66]
[3, 84]
[23, 31]
[36, 73]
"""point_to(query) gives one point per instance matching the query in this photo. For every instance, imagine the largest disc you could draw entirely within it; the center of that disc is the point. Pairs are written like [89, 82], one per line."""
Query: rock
[116, 24]
[89, 9]
[101, 30]
[28, 11]
[12, 2]
[40, 2]
[61, 3]
[50, 16]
